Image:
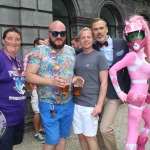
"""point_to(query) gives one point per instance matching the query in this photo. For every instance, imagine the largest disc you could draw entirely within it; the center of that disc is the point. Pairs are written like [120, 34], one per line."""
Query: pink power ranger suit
[139, 71]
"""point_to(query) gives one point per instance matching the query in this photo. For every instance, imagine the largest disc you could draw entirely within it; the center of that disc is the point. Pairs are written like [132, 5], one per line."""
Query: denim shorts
[58, 126]
[13, 136]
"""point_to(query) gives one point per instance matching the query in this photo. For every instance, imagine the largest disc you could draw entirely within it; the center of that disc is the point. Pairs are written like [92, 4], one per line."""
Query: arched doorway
[60, 12]
[112, 13]
[107, 15]
[146, 15]
[143, 11]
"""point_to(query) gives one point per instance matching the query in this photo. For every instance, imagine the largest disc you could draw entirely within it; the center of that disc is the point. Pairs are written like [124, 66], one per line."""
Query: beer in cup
[65, 90]
[77, 88]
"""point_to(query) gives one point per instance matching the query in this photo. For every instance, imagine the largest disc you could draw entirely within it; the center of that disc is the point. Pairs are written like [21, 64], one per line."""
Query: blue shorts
[60, 125]
[13, 136]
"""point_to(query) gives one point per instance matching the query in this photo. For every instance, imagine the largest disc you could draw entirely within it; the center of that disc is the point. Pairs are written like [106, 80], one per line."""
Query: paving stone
[72, 141]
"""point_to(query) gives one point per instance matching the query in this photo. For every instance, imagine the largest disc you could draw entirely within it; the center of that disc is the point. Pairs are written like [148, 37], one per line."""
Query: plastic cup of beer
[77, 88]
[65, 90]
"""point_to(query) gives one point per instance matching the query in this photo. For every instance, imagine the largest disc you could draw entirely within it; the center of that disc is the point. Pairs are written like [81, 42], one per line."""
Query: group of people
[50, 65]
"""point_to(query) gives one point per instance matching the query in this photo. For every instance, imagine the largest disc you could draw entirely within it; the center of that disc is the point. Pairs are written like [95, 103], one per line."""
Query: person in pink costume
[137, 35]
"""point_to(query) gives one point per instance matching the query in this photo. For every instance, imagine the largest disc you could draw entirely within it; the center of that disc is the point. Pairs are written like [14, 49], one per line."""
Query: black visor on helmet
[136, 35]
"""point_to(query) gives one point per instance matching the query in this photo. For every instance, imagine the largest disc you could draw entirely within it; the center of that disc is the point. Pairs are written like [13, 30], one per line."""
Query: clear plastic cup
[95, 120]
[65, 90]
[77, 88]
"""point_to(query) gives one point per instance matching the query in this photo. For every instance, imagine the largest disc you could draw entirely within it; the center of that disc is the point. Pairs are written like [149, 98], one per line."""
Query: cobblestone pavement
[73, 143]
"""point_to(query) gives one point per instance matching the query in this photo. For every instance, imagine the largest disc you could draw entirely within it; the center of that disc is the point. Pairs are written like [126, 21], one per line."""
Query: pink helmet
[135, 34]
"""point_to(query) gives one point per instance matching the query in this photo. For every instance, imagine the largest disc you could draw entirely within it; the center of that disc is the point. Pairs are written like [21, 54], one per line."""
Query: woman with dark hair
[12, 91]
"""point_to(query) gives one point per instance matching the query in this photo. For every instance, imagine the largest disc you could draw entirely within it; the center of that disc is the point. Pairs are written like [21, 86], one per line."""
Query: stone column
[120, 29]
[78, 23]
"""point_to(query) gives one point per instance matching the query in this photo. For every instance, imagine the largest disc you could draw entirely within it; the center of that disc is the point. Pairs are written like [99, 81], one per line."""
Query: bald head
[57, 34]
[57, 26]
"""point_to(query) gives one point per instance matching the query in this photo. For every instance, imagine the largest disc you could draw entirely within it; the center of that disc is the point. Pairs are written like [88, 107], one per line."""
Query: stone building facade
[32, 18]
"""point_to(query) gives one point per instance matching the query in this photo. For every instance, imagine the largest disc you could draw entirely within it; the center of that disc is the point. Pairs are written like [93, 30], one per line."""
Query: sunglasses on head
[55, 33]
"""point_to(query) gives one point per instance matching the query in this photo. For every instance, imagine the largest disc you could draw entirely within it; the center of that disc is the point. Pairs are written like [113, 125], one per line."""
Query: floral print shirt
[53, 63]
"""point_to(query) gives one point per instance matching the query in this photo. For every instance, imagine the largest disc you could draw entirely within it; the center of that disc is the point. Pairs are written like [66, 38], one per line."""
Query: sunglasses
[19, 67]
[55, 33]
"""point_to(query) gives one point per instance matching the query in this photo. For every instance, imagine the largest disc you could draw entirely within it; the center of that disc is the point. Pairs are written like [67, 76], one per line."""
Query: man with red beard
[56, 108]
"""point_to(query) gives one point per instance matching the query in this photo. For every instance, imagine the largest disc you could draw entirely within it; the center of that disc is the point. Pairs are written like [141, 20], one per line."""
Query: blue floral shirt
[53, 63]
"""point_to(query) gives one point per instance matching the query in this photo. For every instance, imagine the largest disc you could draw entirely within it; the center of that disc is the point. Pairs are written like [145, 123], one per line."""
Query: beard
[52, 43]
[102, 39]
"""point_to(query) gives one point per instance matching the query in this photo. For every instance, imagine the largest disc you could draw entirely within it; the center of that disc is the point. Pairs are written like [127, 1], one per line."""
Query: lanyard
[17, 68]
